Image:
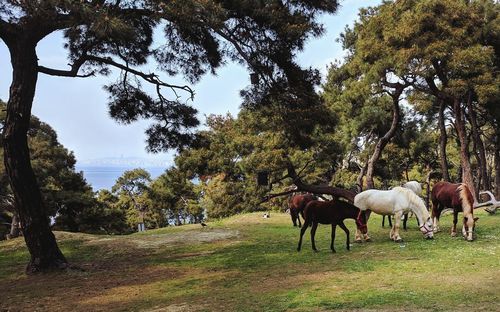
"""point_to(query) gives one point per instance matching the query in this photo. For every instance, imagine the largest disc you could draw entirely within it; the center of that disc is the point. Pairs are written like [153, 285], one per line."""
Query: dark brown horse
[459, 198]
[332, 212]
[296, 204]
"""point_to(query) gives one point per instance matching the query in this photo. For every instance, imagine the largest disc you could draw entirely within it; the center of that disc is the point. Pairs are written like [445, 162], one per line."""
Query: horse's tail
[466, 198]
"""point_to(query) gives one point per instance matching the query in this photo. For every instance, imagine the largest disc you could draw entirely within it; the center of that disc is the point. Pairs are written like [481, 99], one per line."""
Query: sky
[77, 107]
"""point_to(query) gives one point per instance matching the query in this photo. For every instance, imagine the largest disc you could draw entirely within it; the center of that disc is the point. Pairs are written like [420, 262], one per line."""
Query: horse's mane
[413, 198]
[463, 192]
[414, 186]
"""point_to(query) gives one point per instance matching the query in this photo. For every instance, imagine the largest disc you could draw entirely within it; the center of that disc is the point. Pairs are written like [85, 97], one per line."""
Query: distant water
[102, 177]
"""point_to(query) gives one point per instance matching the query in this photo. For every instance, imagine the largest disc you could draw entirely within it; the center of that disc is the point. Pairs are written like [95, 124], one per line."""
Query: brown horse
[332, 212]
[296, 204]
[459, 198]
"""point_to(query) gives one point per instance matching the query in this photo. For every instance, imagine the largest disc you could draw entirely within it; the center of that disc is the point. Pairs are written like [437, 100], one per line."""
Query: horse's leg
[435, 213]
[367, 214]
[294, 221]
[298, 219]
[405, 220]
[302, 231]
[389, 217]
[455, 220]
[397, 221]
[358, 237]
[334, 227]
[343, 227]
[383, 221]
[313, 232]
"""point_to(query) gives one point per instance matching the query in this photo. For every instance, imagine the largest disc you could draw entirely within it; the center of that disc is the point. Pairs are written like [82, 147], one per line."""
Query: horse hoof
[398, 240]
[453, 234]
[358, 241]
[315, 250]
[368, 240]
[334, 251]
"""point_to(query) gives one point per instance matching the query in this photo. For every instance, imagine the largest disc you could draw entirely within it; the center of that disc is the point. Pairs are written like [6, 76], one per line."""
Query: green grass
[253, 265]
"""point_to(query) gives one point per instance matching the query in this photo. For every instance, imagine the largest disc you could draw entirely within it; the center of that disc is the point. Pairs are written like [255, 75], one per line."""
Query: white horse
[395, 202]
[416, 187]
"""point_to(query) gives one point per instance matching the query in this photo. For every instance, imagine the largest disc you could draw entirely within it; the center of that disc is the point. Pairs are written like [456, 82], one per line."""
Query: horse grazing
[395, 202]
[416, 187]
[332, 212]
[296, 204]
[459, 198]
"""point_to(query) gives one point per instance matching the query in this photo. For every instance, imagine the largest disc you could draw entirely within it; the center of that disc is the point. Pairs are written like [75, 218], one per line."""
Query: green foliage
[437, 50]
[67, 195]
[198, 38]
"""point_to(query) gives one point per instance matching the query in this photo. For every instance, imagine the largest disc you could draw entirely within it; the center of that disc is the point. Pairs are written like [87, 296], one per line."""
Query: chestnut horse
[296, 204]
[332, 212]
[459, 198]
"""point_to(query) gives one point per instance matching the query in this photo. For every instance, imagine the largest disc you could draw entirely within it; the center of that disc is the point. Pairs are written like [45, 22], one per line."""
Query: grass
[247, 263]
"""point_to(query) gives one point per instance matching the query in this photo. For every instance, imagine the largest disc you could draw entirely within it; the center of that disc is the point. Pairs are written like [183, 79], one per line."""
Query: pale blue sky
[77, 110]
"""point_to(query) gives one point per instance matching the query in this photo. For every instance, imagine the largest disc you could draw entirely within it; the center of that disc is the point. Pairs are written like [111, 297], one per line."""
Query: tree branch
[73, 72]
[270, 196]
[151, 77]
[319, 189]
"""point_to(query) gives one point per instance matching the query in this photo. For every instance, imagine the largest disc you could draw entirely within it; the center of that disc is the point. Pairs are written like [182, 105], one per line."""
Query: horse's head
[361, 222]
[468, 228]
[427, 229]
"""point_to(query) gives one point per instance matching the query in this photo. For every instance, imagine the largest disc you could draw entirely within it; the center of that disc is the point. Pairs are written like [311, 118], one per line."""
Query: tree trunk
[428, 182]
[15, 229]
[442, 143]
[382, 142]
[41, 243]
[479, 144]
[497, 163]
[464, 152]
[359, 180]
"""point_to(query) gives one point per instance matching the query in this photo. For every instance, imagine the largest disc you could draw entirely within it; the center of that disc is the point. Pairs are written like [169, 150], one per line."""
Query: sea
[104, 177]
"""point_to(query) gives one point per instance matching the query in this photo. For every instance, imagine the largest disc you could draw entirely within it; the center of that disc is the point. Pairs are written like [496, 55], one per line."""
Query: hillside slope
[248, 263]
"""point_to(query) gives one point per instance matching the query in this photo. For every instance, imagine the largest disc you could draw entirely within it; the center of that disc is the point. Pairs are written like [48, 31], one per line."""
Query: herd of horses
[397, 202]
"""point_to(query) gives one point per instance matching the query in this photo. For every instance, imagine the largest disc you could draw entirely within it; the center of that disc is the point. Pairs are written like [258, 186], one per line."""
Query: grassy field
[247, 263]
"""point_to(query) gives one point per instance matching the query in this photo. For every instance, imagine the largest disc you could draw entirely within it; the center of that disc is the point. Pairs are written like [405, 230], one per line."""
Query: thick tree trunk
[464, 152]
[41, 243]
[480, 152]
[443, 141]
[382, 142]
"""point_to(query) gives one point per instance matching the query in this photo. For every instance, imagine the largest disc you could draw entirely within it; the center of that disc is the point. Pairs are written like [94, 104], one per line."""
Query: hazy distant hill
[132, 162]
[102, 173]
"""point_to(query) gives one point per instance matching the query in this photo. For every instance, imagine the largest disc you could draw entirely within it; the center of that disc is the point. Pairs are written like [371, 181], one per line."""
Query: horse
[416, 187]
[332, 212]
[296, 205]
[459, 198]
[395, 202]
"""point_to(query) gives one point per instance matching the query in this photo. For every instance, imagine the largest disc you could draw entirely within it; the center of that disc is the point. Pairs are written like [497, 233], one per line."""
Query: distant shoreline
[105, 176]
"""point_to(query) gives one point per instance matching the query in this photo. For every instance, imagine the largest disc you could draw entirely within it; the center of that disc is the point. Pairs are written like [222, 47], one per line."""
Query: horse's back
[375, 200]
[328, 212]
[446, 194]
